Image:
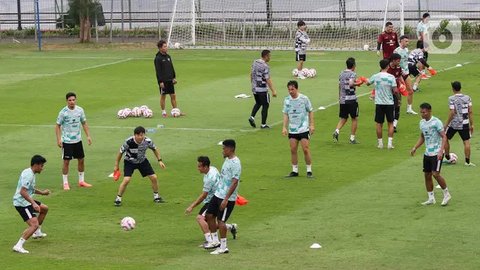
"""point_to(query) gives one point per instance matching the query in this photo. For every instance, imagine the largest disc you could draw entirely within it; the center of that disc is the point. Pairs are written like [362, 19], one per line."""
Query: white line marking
[88, 68]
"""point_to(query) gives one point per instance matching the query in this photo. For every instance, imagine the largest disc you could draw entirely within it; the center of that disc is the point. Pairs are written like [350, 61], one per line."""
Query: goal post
[254, 24]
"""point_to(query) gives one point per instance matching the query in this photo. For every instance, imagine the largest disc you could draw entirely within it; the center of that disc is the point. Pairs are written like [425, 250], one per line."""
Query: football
[453, 158]
[121, 114]
[366, 47]
[136, 112]
[147, 113]
[313, 72]
[175, 112]
[295, 72]
[128, 223]
[177, 45]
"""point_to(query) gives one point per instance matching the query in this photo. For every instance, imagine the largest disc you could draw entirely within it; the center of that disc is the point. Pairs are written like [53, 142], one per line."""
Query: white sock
[39, 230]
[390, 140]
[352, 137]
[81, 176]
[309, 168]
[214, 237]
[445, 192]
[337, 131]
[295, 168]
[20, 242]
[155, 195]
[430, 195]
[415, 86]
[409, 107]
[164, 112]
[223, 243]
[65, 178]
[229, 226]
[208, 237]
[395, 122]
[380, 141]
[119, 198]
[251, 117]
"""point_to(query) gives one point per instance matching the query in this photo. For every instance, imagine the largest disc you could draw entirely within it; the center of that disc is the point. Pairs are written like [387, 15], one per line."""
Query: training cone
[403, 90]
[432, 72]
[116, 175]
[241, 200]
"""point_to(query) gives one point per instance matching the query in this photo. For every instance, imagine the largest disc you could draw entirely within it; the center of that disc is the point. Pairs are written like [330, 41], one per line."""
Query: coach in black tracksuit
[165, 75]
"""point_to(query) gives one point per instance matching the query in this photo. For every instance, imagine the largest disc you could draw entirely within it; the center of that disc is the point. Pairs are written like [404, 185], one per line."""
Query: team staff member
[27, 206]
[387, 41]
[261, 82]
[69, 138]
[166, 77]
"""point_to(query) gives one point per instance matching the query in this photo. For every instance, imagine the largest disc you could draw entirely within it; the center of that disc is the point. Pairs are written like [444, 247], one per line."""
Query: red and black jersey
[396, 72]
[389, 42]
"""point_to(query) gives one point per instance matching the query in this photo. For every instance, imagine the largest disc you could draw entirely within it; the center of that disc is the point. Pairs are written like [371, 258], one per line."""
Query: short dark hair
[426, 106]
[229, 143]
[160, 43]
[395, 56]
[265, 53]
[37, 159]
[457, 86]
[425, 15]
[388, 24]
[350, 62]
[402, 37]
[384, 63]
[293, 83]
[420, 44]
[204, 160]
[139, 130]
[70, 94]
[300, 23]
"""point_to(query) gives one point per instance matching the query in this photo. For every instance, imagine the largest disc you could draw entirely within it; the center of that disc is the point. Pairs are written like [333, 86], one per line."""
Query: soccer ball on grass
[128, 223]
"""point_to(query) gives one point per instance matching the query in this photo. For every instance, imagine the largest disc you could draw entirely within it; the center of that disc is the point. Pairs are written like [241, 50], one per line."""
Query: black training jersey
[136, 152]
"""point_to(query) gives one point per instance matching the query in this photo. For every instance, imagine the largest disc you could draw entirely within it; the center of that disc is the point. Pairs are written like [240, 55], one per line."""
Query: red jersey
[396, 72]
[389, 43]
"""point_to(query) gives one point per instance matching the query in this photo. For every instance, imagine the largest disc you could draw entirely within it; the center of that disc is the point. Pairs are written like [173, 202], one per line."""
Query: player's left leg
[154, 181]
[443, 184]
[162, 104]
[265, 105]
[173, 100]
[81, 174]
[466, 149]
[294, 156]
[41, 217]
[307, 155]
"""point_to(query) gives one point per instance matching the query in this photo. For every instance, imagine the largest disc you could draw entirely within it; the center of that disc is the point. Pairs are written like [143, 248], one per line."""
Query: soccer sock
[20, 242]
[352, 137]
[164, 112]
[295, 168]
[409, 107]
[119, 198]
[309, 168]
[395, 122]
[467, 160]
[415, 87]
[208, 237]
[430, 195]
[445, 192]
[215, 237]
[229, 226]
[380, 142]
[155, 195]
[65, 178]
[390, 140]
[223, 243]
[81, 176]
[337, 131]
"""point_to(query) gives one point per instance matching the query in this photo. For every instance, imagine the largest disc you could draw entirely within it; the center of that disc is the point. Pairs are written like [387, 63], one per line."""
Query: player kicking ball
[433, 135]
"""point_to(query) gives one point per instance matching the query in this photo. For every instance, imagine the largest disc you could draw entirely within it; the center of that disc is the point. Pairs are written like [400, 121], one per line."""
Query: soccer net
[253, 24]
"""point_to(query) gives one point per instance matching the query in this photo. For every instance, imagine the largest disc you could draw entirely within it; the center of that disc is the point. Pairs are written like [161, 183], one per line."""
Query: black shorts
[72, 150]
[300, 57]
[262, 98]
[349, 109]
[214, 209]
[168, 88]
[431, 164]
[384, 111]
[413, 70]
[464, 133]
[203, 211]
[144, 168]
[299, 136]
[27, 212]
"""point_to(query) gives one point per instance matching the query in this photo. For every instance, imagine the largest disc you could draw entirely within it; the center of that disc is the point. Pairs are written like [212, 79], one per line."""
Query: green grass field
[363, 207]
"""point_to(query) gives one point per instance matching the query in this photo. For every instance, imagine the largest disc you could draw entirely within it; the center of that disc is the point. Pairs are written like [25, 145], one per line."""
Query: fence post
[19, 14]
[111, 21]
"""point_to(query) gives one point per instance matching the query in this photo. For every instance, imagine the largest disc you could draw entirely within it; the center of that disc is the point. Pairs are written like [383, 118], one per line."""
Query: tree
[81, 12]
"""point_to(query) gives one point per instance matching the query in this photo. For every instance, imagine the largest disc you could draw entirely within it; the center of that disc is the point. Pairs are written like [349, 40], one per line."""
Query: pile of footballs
[135, 112]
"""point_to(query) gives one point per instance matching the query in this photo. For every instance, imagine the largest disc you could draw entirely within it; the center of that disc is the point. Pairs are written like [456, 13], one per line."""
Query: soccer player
[210, 180]
[385, 88]
[135, 148]
[298, 115]
[387, 41]
[301, 42]
[417, 65]
[222, 203]
[402, 50]
[395, 70]
[166, 77]
[422, 32]
[260, 78]
[433, 135]
[26, 206]
[460, 119]
[348, 100]
[69, 138]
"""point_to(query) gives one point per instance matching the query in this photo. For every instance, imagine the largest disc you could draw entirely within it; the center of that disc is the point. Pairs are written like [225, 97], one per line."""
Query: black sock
[467, 160]
[447, 156]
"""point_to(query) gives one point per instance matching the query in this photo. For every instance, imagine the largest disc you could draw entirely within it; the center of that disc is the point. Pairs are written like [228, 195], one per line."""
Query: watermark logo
[444, 34]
